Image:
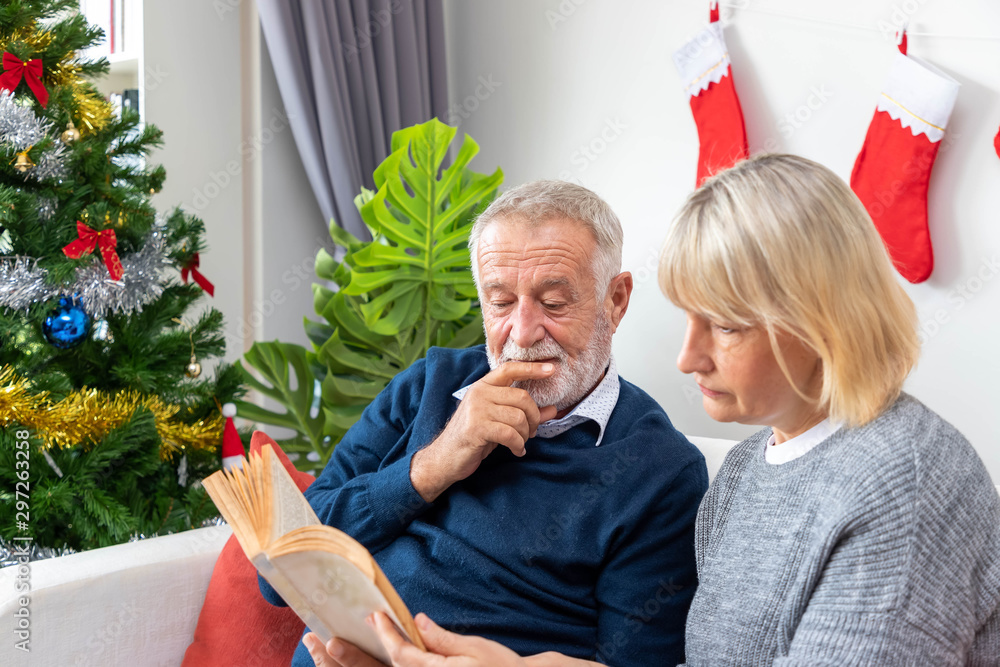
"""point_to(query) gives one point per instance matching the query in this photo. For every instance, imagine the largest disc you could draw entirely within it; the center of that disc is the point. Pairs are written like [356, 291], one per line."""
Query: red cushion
[237, 626]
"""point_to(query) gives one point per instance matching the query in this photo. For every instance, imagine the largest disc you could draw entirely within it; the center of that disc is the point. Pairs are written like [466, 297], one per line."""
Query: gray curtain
[351, 72]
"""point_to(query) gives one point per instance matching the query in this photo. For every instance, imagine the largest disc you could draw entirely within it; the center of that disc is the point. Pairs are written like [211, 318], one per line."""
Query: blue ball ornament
[67, 325]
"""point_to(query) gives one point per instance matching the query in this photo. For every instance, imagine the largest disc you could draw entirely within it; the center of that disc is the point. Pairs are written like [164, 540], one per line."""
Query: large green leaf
[340, 358]
[388, 300]
[469, 335]
[433, 248]
[272, 361]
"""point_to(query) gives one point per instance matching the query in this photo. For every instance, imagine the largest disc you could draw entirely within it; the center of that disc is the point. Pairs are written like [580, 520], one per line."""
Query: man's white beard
[573, 379]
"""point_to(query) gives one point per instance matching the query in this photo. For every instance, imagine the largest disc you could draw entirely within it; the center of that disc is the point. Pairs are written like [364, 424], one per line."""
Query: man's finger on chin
[512, 371]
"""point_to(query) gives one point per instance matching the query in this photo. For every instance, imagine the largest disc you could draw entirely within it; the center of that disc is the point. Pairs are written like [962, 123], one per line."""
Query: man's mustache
[548, 350]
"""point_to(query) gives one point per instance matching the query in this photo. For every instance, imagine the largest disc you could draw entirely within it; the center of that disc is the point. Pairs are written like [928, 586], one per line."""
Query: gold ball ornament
[193, 369]
[23, 162]
[71, 134]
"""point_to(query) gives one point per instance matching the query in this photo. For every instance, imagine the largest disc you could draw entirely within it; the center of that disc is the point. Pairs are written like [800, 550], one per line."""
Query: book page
[290, 509]
[337, 595]
[228, 494]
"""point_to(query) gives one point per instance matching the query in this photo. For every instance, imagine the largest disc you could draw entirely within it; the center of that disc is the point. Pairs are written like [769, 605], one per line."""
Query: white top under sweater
[793, 448]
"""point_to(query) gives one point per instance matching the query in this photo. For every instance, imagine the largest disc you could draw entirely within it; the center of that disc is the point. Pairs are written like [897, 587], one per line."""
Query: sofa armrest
[130, 604]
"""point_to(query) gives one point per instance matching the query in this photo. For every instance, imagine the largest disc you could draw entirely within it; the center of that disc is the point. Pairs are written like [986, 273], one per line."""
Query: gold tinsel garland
[92, 112]
[86, 416]
[29, 35]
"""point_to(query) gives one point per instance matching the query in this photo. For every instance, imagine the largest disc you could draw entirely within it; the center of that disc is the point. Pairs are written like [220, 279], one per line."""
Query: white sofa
[135, 604]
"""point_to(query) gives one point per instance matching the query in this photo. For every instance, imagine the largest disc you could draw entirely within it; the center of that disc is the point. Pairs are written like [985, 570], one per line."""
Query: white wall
[567, 74]
[194, 94]
[294, 228]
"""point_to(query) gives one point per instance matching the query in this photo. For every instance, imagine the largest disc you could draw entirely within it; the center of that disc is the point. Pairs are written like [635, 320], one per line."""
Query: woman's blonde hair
[781, 242]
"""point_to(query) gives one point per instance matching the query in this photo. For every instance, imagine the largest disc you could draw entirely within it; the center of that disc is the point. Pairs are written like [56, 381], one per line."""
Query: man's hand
[491, 413]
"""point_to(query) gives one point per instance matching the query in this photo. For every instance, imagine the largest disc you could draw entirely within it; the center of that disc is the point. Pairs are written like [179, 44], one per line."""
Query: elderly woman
[858, 527]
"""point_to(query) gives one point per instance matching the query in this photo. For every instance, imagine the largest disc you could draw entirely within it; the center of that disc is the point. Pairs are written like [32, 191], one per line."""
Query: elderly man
[524, 491]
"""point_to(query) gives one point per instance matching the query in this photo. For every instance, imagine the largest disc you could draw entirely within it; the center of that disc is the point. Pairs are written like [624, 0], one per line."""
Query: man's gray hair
[539, 202]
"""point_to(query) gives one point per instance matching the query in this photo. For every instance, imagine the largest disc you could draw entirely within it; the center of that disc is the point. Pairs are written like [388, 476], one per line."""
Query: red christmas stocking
[703, 64]
[893, 169]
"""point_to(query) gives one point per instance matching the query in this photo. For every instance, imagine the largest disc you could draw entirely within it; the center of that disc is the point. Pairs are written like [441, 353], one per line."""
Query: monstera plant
[407, 289]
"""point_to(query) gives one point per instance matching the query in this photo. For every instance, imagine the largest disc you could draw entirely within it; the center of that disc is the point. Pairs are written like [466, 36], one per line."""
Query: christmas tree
[108, 421]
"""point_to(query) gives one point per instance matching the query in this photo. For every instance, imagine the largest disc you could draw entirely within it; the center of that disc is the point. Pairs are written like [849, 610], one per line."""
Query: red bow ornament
[14, 69]
[203, 282]
[91, 238]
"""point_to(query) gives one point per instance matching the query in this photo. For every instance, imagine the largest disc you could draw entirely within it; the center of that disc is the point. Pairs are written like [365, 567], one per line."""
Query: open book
[327, 577]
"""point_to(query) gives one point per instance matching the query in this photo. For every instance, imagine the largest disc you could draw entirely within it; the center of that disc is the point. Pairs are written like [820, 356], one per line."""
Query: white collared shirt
[793, 448]
[596, 406]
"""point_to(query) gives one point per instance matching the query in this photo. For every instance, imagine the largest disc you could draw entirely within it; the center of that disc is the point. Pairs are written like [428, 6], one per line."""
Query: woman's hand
[337, 653]
[444, 649]
[553, 659]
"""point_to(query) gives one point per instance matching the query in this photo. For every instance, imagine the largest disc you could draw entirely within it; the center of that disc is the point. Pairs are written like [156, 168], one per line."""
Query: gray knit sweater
[880, 546]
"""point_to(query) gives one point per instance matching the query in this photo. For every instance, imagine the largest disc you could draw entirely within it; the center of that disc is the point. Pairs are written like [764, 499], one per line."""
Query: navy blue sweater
[584, 550]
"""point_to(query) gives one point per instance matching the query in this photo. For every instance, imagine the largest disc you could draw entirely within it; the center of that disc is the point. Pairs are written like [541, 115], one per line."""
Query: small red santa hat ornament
[892, 173]
[232, 447]
[704, 67]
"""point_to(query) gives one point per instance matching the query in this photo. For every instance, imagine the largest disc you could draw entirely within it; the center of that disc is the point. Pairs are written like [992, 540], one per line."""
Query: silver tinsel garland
[22, 128]
[11, 553]
[14, 552]
[46, 208]
[22, 281]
